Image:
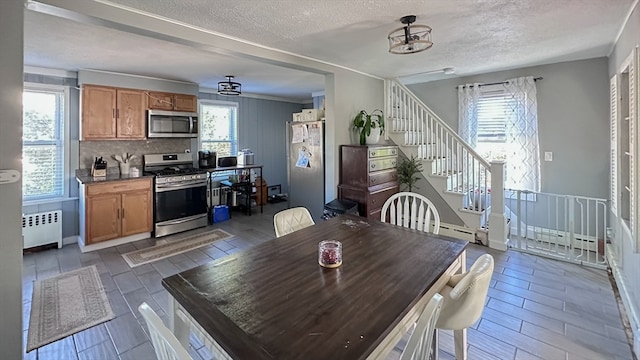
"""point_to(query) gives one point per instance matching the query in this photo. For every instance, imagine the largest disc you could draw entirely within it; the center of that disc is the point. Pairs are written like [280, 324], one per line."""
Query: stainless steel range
[180, 193]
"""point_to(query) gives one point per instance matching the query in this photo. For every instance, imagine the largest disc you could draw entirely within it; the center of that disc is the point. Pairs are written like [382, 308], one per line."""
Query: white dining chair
[290, 220]
[420, 345]
[165, 344]
[411, 210]
[464, 298]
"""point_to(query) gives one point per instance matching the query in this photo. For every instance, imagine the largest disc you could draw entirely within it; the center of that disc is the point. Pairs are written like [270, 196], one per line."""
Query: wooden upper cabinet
[185, 103]
[130, 114]
[172, 102]
[98, 112]
[112, 113]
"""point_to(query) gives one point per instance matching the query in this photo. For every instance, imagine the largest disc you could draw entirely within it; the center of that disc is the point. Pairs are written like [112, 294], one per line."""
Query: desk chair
[290, 220]
[411, 210]
[420, 344]
[165, 344]
[464, 298]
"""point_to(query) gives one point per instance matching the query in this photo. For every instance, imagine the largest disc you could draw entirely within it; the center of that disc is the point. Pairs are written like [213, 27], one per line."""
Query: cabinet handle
[114, 113]
[373, 166]
[117, 213]
[117, 113]
[373, 180]
[123, 213]
[373, 153]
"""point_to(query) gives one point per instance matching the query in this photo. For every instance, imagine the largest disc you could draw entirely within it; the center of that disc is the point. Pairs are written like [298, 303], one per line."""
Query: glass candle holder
[330, 253]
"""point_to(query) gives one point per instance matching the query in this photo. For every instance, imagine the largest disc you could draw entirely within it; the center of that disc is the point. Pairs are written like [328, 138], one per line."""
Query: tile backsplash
[89, 150]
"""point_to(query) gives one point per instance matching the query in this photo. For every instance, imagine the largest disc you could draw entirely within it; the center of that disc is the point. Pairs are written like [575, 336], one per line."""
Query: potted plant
[365, 122]
[407, 171]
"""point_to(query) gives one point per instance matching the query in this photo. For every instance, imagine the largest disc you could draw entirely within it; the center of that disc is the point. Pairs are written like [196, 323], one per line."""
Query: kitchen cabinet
[172, 102]
[112, 113]
[368, 176]
[117, 209]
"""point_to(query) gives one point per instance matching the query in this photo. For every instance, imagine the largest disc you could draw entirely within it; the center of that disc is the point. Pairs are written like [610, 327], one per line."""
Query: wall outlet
[548, 156]
[609, 233]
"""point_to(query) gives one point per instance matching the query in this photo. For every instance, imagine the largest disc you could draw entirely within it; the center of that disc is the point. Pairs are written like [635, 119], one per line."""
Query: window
[494, 109]
[43, 166]
[219, 127]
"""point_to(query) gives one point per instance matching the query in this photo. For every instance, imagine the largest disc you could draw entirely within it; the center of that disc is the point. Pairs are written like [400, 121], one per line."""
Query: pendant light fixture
[229, 88]
[410, 39]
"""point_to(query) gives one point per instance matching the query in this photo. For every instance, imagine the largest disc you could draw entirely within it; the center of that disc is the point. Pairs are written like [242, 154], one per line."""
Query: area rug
[66, 304]
[171, 248]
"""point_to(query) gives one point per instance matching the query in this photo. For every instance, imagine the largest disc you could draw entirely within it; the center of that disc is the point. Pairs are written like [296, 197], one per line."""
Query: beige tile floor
[537, 308]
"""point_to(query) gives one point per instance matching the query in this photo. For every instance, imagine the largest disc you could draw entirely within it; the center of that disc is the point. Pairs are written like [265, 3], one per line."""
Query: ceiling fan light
[410, 39]
[229, 88]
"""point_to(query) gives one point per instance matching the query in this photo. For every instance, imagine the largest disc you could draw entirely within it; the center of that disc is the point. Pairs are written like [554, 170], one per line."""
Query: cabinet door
[131, 114]
[103, 218]
[98, 112]
[185, 103]
[160, 100]
[136, 212]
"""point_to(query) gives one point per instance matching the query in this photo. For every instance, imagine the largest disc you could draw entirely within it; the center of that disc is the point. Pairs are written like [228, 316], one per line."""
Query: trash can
[338, 207]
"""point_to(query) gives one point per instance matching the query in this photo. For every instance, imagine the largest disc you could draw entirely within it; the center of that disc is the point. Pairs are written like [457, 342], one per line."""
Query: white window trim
[65, 133]
[223, 103]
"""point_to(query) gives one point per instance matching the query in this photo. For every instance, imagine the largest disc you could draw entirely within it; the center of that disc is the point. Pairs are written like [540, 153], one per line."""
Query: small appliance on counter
[99, 168]
[227, 161]
[206, 159]
[245, 157]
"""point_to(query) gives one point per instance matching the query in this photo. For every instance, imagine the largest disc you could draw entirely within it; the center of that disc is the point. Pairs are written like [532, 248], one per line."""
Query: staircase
[467, 181]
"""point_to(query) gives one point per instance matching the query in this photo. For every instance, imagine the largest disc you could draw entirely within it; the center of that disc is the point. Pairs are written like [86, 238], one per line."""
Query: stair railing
[467, 172]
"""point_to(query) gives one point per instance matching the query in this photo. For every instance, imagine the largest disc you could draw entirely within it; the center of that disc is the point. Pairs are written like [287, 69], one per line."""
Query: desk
[241, 185]
[274, 301]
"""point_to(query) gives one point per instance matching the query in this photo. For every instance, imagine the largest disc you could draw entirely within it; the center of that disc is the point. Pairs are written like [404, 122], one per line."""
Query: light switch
[548, 156]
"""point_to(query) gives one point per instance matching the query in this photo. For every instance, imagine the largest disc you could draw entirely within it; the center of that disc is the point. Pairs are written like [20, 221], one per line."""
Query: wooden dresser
[368, 176]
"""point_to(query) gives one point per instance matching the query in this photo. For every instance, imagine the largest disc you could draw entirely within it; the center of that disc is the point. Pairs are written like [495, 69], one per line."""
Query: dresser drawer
[383, 164]
[377, 199]
[381, 177]
[382, 151]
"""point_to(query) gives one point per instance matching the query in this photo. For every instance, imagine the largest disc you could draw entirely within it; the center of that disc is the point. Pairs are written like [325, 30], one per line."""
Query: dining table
[275, 301]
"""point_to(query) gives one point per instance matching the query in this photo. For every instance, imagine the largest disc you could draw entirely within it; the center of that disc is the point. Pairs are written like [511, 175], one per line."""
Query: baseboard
[109, 243]
[632, 314]
[70, 240]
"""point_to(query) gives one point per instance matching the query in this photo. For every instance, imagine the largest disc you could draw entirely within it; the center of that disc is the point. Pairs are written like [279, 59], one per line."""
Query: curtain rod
[500, 82]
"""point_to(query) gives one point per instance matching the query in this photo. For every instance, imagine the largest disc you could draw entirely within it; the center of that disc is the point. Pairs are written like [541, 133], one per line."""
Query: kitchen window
[43, 148]
[219, 127]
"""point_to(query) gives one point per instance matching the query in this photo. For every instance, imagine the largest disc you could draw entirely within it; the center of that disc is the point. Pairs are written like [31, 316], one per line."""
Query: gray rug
[167, 249]
[66, 304]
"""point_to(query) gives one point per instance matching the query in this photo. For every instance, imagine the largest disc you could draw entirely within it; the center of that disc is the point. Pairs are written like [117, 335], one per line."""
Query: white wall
[11, 22]
[573, 113]
[626, 268]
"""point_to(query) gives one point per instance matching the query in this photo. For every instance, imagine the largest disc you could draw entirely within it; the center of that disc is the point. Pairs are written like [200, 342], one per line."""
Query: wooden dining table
[274, 301]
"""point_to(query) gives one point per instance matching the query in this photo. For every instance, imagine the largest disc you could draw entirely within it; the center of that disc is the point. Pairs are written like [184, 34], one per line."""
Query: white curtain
[523, 164]
[468, 96]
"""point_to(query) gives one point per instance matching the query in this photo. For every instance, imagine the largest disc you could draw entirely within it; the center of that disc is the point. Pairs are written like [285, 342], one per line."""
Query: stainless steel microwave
[172, 124]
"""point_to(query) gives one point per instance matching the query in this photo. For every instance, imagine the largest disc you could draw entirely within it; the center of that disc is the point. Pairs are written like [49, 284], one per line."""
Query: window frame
[213, 102]
[64, 138]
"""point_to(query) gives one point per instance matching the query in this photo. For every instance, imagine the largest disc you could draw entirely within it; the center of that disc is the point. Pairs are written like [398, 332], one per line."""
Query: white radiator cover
[42, 228]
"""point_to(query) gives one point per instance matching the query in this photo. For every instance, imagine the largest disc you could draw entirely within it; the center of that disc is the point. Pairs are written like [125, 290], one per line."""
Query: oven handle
[187, 219]
[172, 187]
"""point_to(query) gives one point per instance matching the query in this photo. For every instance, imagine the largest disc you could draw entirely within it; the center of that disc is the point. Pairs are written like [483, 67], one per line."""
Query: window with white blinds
[494, 110]
[43, 143]
[219, 127]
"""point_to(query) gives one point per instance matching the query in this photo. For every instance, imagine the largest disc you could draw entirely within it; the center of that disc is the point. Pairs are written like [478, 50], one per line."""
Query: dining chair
[165, 344]
[464, 298]
[421, 342]
[290, 220]
[411, 210]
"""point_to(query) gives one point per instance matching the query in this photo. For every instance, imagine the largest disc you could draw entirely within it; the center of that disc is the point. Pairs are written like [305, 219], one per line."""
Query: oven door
[177, 201]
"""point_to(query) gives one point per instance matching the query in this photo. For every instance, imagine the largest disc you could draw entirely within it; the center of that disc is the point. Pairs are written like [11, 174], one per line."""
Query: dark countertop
[113, 174]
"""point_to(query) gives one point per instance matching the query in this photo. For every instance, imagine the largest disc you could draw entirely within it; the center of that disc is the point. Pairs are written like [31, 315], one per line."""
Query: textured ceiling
[473, 36]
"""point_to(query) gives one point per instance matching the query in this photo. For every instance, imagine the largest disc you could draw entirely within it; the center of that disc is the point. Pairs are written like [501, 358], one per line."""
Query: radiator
[42, 228]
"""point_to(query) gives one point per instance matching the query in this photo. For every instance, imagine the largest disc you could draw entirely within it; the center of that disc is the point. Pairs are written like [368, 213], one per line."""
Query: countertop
[113, 174]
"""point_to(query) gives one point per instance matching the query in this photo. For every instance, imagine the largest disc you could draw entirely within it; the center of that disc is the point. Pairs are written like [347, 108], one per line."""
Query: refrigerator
[306, 166]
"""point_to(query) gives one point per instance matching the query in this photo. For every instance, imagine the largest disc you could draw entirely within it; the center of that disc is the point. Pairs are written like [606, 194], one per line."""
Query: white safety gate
[570, 228]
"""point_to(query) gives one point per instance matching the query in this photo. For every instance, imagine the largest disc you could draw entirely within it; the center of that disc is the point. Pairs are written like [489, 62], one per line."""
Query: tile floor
[537, 308]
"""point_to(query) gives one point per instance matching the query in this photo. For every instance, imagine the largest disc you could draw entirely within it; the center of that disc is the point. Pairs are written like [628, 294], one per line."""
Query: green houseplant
[364, 122]
[407, 171]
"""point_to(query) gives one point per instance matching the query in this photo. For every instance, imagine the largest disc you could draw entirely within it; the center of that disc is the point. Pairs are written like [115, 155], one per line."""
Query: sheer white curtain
[523, 164]
[468, 96]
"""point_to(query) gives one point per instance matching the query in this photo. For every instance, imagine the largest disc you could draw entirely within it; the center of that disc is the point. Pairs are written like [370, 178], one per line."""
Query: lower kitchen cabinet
[117, 209]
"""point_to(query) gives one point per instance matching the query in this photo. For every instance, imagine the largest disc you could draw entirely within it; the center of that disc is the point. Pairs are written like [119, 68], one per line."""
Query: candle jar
[330, 253]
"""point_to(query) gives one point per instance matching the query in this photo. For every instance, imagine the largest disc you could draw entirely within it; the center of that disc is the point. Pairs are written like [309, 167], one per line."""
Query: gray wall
[627, 269]
[573, 120]
[11, 22]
